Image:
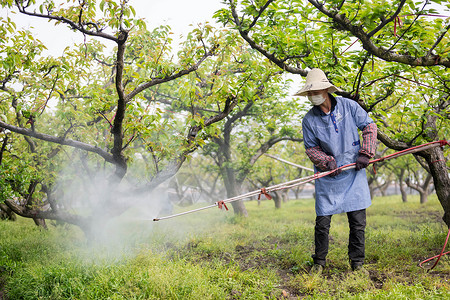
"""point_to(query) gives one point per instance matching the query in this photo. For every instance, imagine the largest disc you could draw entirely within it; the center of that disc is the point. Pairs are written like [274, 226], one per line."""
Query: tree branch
[5, 81]
[268, 144]
[69, 22]
[116, 130]
[260, 49]
[5, 142]
[156, 81]
[380, 52]
[389, 92]
[173, 99]
[390, 143]
[407, 29]
[57, 140]
[259, 15]
[386, 21]
[439, 39]
[51, 215]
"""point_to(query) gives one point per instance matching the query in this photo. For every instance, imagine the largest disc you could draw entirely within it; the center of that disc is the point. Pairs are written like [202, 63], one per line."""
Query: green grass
[214, 255]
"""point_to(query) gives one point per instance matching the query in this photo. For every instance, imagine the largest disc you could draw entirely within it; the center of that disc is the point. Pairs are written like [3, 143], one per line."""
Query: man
[330, 134]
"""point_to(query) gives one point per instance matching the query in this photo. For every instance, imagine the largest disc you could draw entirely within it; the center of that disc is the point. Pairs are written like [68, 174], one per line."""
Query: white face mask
[316, 99]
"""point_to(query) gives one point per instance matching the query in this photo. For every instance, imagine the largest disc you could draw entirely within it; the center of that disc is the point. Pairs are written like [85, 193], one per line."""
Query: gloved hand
[362, 162]
[331, 165]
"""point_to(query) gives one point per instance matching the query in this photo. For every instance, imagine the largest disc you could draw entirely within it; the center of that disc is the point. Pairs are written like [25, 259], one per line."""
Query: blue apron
[337, 134]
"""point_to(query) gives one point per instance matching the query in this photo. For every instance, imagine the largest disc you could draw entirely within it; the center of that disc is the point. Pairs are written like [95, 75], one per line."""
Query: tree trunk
[239, 208]
[423, 197]
[371, 182]
[438, 169]
[404, 194]
[285, 196]
[402, 187]
[277, 198]
[232, 188]
[426, 189]
[383, 188]
[422, 189]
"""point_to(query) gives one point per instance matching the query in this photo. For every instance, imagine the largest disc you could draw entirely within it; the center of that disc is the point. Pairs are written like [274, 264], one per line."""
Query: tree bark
[40, 223]
[423, 198]
[372, 187]
[6, 213]
[383, 187]
[438, 169]
[422, 189]
[402, 187]
[277, 198]
[233, 188]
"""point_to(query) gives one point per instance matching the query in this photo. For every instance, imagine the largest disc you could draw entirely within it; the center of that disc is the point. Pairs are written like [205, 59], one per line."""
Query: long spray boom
[300, 181]
[304, 180]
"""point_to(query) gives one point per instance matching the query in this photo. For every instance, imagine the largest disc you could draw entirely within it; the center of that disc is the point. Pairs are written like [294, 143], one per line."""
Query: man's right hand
[331, 165]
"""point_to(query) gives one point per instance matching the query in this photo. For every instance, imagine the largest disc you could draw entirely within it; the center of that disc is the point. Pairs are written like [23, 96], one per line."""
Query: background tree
[275, 168]
[373, 173]
[398, 65]
[411, 174]
[251, 130]
[201, 174]
[400, 169]
[420, 179]
[87, 108]
[259, 121]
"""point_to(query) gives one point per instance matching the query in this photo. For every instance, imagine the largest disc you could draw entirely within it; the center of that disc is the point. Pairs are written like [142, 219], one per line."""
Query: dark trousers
[356, 240]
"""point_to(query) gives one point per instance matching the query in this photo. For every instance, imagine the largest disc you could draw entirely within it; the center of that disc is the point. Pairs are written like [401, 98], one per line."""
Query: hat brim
[317, 86]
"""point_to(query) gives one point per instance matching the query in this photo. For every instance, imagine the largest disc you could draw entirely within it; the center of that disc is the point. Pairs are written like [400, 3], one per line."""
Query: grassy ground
[214, 255]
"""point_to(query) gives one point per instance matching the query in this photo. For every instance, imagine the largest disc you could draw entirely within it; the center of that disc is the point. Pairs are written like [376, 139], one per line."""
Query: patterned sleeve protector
[319, 158]
[369, 143]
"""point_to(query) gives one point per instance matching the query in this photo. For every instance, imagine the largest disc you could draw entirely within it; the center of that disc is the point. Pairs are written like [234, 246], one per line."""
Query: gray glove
[331, 165]
[362, 162]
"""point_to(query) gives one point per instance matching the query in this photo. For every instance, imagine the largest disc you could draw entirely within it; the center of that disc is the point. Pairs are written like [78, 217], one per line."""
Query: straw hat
[316, 80]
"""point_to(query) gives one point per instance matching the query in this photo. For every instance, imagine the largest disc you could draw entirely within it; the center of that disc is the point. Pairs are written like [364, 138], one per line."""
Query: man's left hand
[362, 162]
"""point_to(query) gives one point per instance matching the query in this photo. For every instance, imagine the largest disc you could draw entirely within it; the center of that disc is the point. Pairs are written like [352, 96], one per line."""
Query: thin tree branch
[156, 81]
[439, 39]
[388, 20]
[57, 140]
[244, 34]
[407, 29]
[259, 15]
[268, 144]
[380, 52]
[69, 22]
[5, 142]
